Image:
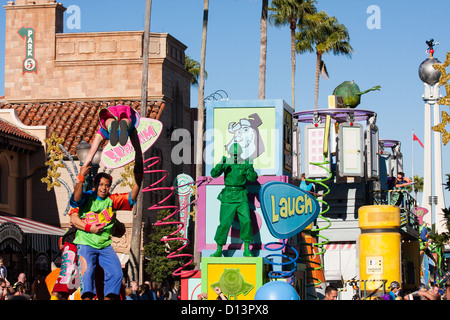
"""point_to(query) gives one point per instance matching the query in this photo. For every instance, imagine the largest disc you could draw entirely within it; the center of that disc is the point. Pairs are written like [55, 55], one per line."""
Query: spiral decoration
[175, 235]
[315, 232]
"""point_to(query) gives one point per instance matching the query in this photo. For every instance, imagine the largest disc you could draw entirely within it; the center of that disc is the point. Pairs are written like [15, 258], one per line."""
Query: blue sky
[388, 56]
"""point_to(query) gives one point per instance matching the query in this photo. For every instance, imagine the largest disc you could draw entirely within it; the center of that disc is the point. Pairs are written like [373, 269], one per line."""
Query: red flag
[417, 139]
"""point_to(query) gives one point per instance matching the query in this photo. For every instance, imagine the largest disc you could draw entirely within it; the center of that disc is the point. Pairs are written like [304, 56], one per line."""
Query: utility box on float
[379, 246]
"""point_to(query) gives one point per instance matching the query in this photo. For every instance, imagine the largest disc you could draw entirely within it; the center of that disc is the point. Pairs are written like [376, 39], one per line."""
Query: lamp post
[82, 150]
[433, 200]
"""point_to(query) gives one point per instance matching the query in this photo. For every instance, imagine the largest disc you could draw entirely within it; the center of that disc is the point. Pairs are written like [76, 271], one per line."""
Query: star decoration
[53, 142]
[51, 179]
[441, 68]
[128, 174]
[445, 77]
[441, 128]
[54, 161]
[446, 100]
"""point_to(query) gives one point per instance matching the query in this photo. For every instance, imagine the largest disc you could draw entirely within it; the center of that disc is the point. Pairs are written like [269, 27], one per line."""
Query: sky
[386, 54]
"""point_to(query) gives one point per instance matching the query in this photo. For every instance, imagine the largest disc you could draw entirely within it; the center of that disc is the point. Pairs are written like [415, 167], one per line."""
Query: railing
[355, 284]
[404, 201]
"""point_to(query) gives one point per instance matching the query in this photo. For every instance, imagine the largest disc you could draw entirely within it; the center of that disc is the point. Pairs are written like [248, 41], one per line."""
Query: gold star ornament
[441, 127]
[128, 175]
[54, 161]
[441, 67]
[444, 79]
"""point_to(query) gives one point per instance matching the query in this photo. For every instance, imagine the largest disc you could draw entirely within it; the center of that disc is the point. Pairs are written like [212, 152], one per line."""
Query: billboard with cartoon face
[246, 133]
[262, 128]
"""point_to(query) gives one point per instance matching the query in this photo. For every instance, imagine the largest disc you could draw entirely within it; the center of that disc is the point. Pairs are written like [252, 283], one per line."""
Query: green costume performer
[233, 198]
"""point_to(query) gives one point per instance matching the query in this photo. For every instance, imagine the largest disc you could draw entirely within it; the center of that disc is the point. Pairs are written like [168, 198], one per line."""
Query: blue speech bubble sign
[287, 209]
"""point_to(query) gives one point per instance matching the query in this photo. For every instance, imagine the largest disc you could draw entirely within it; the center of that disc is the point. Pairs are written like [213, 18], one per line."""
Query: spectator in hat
[395, 290]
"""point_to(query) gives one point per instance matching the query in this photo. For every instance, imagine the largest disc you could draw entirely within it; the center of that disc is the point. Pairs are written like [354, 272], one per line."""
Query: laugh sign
[287, 209]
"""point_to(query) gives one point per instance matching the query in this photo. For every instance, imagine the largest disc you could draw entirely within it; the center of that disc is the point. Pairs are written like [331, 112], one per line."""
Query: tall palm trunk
[136, 230]
[263, 51]
[201, 94]
[318, 69]
[293, 26]
[201, 115]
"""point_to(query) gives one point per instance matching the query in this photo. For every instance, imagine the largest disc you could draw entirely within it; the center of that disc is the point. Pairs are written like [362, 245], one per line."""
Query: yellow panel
[249, 268]
[379, 258]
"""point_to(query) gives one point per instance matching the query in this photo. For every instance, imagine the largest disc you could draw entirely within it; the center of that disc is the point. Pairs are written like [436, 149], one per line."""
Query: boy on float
[95, 221]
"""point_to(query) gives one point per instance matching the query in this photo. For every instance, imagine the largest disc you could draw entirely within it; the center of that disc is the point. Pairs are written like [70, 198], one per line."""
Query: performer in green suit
[234, 199]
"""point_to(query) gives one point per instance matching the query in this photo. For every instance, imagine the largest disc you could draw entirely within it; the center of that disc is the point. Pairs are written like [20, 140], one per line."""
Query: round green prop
[350, 93]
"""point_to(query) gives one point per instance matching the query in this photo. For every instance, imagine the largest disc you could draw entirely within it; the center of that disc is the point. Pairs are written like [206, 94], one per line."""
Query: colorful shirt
[93, 210]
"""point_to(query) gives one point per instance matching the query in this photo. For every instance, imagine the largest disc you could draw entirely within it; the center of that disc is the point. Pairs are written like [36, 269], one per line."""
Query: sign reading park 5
[117, 156]
[287, 209]
[29, 63]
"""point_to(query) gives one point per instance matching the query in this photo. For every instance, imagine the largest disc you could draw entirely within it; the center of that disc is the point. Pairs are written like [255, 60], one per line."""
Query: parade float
[256, 223]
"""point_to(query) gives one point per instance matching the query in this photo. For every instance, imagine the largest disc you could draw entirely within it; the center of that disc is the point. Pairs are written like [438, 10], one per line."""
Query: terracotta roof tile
[8, 128]
[73, 121]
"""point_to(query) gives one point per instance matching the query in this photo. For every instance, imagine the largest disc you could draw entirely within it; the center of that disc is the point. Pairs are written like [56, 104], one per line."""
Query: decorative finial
[431, 45]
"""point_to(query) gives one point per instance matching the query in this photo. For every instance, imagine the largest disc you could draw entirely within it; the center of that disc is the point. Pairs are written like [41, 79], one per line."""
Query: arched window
[4, 173]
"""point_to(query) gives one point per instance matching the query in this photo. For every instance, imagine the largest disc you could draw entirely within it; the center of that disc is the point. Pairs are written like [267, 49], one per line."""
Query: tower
[433, 192]
[31, 27]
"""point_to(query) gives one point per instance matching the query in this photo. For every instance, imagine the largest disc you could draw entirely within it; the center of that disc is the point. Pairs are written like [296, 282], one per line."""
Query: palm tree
[418, 185]
[322, 34]
[447, 185]
[201, 115]
[135, 246]
[201, 93]
[193, 67]
[263, 50]
[292, 13]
